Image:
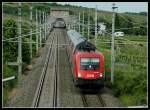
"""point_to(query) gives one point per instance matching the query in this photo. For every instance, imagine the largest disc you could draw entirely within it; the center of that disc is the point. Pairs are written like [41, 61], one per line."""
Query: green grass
[8, 85]
[130, 78]
[128, 100]
[137, 38]
[5, 96]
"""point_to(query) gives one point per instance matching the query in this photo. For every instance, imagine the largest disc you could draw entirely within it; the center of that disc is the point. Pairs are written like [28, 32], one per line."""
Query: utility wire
[22, 36]
[19, 37]
[127, 28]
[21, 28]
[131, 42]
[4, 27]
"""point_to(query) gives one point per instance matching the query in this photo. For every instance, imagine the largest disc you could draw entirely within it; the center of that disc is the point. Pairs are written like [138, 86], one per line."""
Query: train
[59, 23]
[87, 63]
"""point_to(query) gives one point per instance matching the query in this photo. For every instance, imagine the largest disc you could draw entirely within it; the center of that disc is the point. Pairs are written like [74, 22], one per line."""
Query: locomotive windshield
[89, 63]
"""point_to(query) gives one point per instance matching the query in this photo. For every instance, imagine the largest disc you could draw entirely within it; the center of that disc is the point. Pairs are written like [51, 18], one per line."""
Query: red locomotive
[87, 63]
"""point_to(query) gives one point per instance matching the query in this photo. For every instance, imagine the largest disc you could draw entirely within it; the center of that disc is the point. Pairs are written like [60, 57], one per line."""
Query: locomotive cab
[89, 69]
[88, 64]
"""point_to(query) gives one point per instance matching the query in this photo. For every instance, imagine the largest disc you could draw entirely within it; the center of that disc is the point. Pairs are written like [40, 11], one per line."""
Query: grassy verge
[130, 84]
[131, 74]
[7, 86]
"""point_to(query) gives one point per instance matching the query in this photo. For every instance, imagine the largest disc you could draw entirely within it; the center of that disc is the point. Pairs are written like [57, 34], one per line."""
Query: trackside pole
[37, 31]
[31, 32]
[112, 46]
[79, 22]
[19, 43]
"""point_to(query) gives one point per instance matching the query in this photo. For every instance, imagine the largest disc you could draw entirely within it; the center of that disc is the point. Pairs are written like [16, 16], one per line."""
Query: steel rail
[101, 100]
[84, 100]
[55, 75]
[41, 82]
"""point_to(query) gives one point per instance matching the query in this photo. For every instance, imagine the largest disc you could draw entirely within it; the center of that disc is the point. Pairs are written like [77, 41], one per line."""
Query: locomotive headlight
[79, 75]
[101, 74]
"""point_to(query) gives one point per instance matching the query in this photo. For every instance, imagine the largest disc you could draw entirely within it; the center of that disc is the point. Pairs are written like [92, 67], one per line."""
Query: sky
[122, 6]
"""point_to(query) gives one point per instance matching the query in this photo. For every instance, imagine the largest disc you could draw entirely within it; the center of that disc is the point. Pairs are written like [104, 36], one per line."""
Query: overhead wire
[19, 37]
[128, 42]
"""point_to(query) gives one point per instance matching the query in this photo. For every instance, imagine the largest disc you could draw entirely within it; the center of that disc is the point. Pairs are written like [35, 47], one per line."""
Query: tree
[129, 24]
[9, 48]
[143, 13]
[118, 21]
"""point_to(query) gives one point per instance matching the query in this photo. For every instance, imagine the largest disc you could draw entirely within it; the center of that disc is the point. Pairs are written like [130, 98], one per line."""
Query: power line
[23, 33]
[41, 43]
[92, 25]
[19, 37]
[22, 36]
[14, 28]
[128, 42]
[21, 28]
[128, 28]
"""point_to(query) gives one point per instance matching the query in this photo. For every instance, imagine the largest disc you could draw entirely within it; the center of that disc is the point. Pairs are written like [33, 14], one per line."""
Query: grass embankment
[130, 76]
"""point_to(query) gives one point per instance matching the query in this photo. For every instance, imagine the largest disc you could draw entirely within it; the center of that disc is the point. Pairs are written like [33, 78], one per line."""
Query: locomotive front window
[89, 63]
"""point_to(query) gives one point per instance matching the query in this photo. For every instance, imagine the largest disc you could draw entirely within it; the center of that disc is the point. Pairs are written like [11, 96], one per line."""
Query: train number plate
[90, 75]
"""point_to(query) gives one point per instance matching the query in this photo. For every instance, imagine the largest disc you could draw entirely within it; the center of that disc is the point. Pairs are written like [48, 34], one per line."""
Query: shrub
[9, 48]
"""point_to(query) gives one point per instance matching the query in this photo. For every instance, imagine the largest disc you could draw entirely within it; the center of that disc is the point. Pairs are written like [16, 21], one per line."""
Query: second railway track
[55, 91]
[45, 89]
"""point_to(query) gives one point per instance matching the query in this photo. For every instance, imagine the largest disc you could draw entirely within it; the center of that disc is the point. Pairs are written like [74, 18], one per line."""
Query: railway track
[55, 75]
[45, 97]
[47, 93]
[101, 100]
[97, 102]
[42, 80]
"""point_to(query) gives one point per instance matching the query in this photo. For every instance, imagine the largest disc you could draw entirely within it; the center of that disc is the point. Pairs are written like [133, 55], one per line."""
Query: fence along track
[41, 81]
